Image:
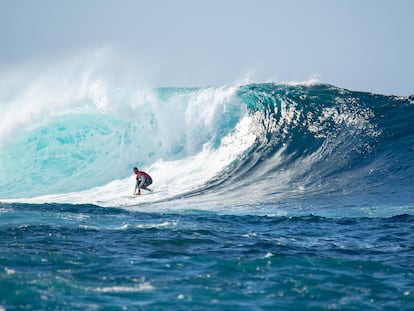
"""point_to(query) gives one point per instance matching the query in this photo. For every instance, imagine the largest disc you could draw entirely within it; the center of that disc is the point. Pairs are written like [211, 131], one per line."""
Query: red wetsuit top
[141, 173]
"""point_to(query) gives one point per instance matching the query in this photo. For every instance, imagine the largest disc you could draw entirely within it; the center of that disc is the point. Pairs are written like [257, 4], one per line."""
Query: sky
[363, 45]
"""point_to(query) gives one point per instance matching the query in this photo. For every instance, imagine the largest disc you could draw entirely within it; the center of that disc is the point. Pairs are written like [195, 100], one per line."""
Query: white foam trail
[143, 287]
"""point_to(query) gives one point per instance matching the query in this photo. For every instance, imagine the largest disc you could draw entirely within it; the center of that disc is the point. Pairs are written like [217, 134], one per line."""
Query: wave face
[334, 143]
[256, 144]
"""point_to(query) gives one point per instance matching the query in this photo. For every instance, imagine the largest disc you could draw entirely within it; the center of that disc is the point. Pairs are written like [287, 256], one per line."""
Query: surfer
[143, 181]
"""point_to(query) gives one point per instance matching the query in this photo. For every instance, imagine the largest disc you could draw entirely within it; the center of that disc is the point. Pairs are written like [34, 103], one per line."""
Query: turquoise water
[266, 197]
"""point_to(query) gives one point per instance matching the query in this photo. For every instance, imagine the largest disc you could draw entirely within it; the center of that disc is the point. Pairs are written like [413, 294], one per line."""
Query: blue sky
[365, 45]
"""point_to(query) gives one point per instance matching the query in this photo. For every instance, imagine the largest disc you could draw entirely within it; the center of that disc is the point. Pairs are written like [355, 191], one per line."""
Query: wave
[255, 144]
[96, 139]
[334, 143]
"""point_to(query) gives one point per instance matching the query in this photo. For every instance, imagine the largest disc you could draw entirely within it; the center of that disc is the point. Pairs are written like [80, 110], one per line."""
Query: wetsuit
[143, 181]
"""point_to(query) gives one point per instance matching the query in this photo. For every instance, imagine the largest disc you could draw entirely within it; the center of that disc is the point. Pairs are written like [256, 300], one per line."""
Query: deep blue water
[88, 257]
[266, 197]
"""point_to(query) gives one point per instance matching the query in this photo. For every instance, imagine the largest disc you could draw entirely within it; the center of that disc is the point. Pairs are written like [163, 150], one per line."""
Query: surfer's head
[135, 169]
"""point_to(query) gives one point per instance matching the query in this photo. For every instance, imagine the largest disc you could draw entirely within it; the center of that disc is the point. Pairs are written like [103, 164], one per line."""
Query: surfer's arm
[137, 187]
[142, 183]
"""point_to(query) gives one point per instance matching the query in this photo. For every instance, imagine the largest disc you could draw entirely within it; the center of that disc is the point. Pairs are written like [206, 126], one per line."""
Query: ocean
[266, 197]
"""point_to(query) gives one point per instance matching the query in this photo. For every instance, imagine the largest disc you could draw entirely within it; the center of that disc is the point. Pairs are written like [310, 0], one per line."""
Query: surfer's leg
[147, 183]
[145, 188]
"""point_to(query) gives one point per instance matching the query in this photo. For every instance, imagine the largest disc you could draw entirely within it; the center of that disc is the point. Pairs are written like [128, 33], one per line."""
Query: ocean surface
[266, 197]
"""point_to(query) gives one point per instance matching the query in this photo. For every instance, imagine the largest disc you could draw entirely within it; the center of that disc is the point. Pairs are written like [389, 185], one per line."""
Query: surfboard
[132, 196]
[129, 196]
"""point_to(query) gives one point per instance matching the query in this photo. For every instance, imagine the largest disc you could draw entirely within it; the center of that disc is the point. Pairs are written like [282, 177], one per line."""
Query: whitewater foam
[171, 178]
[77, 138]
